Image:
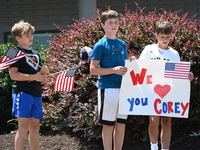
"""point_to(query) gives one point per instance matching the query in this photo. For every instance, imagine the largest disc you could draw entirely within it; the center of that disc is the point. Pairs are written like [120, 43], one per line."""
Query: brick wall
[190, 6]
[43, 14]
[40, 13]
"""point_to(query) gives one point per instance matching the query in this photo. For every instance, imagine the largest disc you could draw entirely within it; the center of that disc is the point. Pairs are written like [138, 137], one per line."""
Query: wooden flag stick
[33, 62]
[51, 74]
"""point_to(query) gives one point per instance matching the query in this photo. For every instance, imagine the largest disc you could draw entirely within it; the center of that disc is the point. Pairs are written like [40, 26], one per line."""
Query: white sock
[154, 146]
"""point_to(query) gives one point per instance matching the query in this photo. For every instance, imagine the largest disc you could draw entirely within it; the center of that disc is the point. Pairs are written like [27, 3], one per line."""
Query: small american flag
[65, 80]
[177, 70]
[12, 55]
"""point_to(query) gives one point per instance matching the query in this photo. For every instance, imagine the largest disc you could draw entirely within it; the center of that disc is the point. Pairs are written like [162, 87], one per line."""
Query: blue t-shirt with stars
[110, 53]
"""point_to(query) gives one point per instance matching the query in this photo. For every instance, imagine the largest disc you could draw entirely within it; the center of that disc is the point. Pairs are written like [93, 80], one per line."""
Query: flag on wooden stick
[12, 55]
[65, 80]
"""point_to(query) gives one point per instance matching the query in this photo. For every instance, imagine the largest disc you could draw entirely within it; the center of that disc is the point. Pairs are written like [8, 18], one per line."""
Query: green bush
[5, 96]
[9, 123]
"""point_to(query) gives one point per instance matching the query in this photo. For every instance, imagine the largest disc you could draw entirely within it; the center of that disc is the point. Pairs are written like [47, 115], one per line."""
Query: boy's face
[111, 26]
[25, 40]
[163, 40]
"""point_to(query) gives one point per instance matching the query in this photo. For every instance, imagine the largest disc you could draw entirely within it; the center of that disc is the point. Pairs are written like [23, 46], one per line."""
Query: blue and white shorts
[26, 106]
[108, 102]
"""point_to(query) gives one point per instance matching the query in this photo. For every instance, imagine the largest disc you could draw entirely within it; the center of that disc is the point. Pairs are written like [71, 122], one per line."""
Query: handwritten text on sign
[155, 87]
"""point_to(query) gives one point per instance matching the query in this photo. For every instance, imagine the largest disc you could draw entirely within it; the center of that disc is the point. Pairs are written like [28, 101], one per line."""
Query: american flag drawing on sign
[177, 70]
[65, 80]
[12, 55]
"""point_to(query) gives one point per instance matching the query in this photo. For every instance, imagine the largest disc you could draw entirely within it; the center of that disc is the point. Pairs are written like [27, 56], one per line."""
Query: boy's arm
[131, 58]
[191, 76]
[96, 70]
[18, 76]
[44, 70]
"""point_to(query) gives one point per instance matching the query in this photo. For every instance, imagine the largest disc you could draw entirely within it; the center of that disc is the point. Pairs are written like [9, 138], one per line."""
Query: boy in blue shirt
[108, 60]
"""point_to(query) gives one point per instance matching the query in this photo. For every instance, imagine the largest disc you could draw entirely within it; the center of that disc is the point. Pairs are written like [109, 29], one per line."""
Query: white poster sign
[155, 87]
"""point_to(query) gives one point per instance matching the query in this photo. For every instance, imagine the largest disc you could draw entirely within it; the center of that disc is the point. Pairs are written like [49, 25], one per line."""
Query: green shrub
[8, 123]
[5, 96]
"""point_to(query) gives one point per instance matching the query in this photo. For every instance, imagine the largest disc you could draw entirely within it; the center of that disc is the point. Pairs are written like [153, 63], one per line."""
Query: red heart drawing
[162, 90]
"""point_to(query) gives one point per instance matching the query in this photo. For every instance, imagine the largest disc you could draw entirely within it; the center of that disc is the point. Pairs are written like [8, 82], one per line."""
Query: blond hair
[20, 28]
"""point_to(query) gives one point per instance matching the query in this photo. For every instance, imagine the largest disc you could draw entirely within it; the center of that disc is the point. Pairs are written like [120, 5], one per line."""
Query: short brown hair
[164, 27]
[109, 14]
[21, 28]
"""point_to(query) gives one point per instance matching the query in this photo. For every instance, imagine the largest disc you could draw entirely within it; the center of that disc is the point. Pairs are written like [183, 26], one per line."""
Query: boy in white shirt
[161, 51]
